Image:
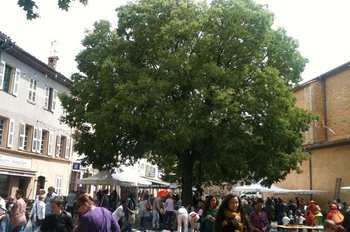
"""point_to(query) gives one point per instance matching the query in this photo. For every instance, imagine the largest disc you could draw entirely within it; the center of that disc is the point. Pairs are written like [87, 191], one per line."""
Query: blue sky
[320, 26]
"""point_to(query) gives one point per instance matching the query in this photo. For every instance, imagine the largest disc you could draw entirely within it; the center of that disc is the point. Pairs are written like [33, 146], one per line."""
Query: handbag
[132, 217]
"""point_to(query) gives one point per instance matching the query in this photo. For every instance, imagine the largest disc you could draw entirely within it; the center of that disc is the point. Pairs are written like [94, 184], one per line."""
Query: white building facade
[35, 148]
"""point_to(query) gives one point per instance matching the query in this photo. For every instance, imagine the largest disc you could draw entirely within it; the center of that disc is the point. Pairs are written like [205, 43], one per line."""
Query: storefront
[15, 173]
[33, 172]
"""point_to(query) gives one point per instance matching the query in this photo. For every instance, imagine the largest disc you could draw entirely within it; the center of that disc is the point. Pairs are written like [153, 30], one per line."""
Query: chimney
[52, 61]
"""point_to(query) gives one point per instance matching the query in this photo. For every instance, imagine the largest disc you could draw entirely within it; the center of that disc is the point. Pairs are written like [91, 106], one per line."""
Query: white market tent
[125, 178]
[275, 190]
[101, 178]
[258, 188]
[130, 176]
[345, 189]
[303, 192]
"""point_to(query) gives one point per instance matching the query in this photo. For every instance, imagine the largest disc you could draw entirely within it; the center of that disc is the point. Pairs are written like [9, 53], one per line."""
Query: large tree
[204, 91]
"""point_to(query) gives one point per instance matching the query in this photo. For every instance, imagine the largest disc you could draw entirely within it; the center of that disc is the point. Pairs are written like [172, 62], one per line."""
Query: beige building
[35, 148]
[328, 139]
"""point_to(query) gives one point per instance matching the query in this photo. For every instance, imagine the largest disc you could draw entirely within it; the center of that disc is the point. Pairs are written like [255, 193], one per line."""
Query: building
[328, 139]
[35, 148]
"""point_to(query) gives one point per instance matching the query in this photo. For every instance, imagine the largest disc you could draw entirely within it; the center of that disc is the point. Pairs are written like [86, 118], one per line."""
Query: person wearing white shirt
[182, 219]
[37, 214]
[285, 219]
[169, 212]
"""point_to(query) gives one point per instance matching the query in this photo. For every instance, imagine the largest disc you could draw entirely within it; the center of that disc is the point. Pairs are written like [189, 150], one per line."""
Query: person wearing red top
[258, 218]
[313, 207]
[309, 218]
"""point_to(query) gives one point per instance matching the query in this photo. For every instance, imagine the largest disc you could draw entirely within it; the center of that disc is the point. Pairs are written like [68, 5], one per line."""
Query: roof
[325, 75]
[6, 44]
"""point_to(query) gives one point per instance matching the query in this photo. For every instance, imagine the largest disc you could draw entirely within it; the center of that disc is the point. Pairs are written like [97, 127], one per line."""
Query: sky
[320, 26]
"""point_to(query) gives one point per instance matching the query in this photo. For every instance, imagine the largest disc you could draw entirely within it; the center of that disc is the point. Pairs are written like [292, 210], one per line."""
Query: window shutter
[39, 140]
[35, 140]
[47, 95]
[2, 73]
[58, 145]
[54, 96]
[16, 82]
[11, 133]
[67, 152]
[49, 146]
[22, 134]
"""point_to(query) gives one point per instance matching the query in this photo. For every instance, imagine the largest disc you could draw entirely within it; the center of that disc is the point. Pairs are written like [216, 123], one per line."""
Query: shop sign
[16, 162]
[76, 166]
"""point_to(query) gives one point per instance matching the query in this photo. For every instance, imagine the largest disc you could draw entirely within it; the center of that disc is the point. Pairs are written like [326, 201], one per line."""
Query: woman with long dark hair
[210, 209]
[231, 216]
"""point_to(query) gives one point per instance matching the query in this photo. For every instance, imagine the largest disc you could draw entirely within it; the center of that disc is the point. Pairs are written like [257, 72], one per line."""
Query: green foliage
[29, 7]
[202, 91]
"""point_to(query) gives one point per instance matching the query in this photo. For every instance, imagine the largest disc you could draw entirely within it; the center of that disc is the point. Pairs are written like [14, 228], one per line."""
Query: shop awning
[17, 173]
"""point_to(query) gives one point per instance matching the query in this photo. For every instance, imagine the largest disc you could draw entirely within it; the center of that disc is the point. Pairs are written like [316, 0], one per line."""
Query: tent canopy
[125, 178]
[345, 189]
[276, 190]
[258, 188]
[128, 176]
[101, 178]
[303, 191]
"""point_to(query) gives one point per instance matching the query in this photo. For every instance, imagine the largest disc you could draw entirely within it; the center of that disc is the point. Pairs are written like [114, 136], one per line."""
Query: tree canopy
[204, 91]
[29, 6]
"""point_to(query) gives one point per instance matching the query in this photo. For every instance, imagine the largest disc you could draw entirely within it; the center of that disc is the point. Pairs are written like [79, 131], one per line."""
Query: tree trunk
[187, 162]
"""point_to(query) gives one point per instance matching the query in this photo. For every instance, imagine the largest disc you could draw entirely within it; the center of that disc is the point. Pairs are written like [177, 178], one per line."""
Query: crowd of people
[113, 213]
[234, 214]
[52, 213]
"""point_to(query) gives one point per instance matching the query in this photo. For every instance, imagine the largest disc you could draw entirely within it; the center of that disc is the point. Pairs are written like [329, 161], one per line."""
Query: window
[150, 171]
[2, 122]
[62, 147]
[9, 78]
[25, 137]
[32, 90]
[49, 146]
[58, 146]
[58, 185]
[44, 144]
[67, 151]
[37, 140]
[6, 129]
[50, 99]
[11, 131]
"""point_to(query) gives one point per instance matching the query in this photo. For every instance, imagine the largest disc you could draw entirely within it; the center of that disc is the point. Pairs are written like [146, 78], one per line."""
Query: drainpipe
[324, 90]
[310, 171]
